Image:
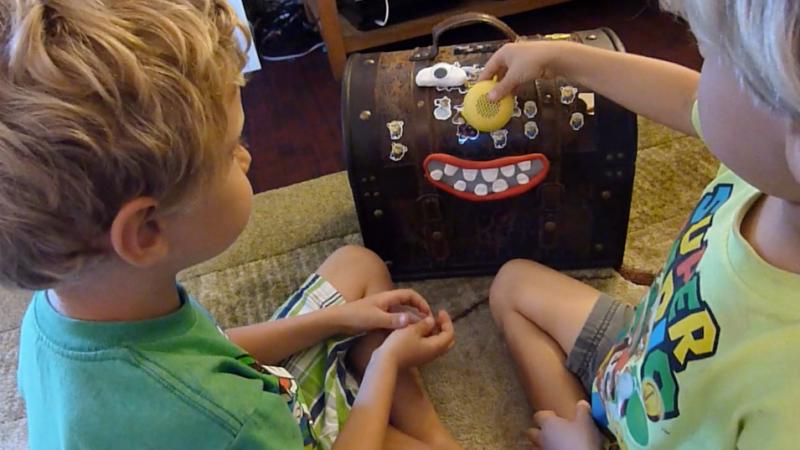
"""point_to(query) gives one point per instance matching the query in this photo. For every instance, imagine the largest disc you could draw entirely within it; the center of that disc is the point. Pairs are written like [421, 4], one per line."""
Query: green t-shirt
[711, 358]
[174, 382]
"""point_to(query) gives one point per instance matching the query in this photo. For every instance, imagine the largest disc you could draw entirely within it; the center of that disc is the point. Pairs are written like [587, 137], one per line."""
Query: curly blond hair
[759, 38]
[102, 101]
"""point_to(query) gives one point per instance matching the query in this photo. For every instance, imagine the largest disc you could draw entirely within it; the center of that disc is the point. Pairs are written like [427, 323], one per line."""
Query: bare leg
[397, 440]
[356, 273]
[541, 313]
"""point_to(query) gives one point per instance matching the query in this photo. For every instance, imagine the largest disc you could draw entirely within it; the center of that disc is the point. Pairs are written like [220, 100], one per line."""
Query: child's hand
[386, 310]
[520, 62]
[419, 343]
[556, 433]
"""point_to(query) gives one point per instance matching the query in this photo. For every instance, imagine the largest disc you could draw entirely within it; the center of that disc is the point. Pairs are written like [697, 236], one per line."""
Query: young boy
[120, 165]
[705, 360]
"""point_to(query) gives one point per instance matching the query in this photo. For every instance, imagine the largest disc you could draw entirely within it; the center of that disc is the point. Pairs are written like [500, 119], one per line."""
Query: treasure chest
[437, 197]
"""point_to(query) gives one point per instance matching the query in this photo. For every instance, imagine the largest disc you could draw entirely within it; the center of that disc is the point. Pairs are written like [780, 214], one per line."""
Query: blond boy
[707, 360]
[120, 165]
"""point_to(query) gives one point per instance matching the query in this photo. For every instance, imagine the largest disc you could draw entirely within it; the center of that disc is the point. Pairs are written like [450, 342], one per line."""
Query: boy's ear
[793, 150]
[137, 233]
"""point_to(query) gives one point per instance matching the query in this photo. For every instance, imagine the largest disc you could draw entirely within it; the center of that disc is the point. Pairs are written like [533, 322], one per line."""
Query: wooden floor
[292, 108]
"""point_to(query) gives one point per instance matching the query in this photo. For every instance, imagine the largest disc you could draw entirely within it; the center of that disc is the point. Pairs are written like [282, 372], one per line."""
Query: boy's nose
[243, 158]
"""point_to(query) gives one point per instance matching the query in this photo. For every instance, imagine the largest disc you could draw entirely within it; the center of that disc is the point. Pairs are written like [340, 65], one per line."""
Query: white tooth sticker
[481, 189]
[460, 185]
[489, 175]
[436, 175]
[470, 174]
[524, 165]
[522, 178]
[450, 170]
[499, 186]
[507, 171]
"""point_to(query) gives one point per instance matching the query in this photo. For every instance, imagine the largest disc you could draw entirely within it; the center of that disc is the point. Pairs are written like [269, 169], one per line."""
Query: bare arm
[273, 341]
[366, 425]
[659, 90]
[411, 346]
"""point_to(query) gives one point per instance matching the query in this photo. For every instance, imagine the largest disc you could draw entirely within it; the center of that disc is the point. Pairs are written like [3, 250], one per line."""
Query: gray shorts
[604, 324]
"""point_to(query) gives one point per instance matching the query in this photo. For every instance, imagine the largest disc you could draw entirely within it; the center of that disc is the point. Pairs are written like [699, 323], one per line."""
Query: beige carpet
[473, 386]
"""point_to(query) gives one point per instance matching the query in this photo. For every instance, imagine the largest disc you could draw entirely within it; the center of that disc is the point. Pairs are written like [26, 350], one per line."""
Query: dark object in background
[281, 30]
[577, 217]
[371, 14]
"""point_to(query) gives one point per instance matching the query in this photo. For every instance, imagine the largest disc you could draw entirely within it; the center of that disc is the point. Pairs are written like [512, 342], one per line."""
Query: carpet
[474, 388]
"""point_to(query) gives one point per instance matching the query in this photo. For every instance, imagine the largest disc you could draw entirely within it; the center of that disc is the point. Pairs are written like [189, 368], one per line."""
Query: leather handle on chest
[457, 21]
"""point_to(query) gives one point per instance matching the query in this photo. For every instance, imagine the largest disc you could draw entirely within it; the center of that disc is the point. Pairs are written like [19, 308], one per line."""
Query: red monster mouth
[483, 181]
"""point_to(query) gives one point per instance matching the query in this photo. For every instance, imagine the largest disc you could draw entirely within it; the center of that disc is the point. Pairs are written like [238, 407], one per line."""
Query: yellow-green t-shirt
[711, 358]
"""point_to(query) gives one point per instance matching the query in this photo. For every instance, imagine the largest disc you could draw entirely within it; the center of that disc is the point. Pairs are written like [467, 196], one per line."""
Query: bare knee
[511, 285]
[355, 271]
[362, 260]
[355, 254]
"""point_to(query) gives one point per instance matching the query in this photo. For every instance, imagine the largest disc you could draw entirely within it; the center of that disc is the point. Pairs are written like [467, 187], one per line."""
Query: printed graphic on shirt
[279, 381]
[637, 383]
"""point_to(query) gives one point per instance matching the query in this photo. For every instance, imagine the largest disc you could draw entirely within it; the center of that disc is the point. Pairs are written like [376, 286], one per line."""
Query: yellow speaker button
[483, 114]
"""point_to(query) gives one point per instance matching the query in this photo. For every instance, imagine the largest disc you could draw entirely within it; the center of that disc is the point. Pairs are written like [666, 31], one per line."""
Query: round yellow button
[481, 113]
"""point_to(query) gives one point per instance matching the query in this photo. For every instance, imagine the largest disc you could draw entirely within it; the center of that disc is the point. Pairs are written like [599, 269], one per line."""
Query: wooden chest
[437, 198]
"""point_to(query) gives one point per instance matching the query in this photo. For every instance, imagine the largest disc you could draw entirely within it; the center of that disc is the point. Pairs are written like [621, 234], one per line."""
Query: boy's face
[747, 138]
[216, 218]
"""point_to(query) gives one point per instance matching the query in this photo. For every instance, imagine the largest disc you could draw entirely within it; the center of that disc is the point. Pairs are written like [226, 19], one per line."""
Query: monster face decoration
[486, 180]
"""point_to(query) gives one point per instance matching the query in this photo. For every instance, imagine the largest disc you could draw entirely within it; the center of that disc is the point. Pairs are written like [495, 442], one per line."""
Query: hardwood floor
[292, 108]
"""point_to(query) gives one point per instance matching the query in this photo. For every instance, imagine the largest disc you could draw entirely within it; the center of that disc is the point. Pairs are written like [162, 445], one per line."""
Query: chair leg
[331, 32]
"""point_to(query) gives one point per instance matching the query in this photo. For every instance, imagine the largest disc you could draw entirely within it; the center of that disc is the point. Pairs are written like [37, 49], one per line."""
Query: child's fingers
[542, 417]
[393, 321]
[405, 297]
[424, 326]
[495, 64]
[416, 314]
[444, 321]
[504, 86]
[533, 436]
[442, 341]
[584, 412]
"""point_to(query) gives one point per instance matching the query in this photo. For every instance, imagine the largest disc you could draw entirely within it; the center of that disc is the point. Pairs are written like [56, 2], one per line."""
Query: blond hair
[102, 101]
[759, 38]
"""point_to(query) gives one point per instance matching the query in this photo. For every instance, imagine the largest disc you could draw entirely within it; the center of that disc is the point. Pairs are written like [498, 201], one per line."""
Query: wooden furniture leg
[332, 35]
[342, 38]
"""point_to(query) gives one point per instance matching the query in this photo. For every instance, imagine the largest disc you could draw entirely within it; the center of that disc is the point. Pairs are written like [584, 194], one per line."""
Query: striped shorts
[328, 389]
